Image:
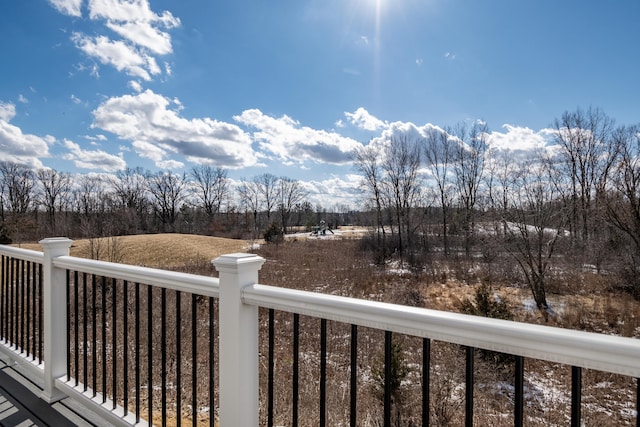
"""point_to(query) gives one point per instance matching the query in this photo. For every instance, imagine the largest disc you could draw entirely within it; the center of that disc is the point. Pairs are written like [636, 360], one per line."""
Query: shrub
[486, 305]
[4, 235]
[274, 234]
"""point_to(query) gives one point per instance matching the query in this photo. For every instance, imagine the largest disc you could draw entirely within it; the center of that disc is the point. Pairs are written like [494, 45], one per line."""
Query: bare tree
[18, 194]
[168, 193]
[501, 172]
[250, 199]
[438, 152]
[367, 162]
[536, 223]
[401, 163]
[588, 153]
[267, 186]
[291, 193]
[18, 182]
[212, 187]
[469, 170]
[130, 194]
[91, 200]
[623, 201]
[55, 188]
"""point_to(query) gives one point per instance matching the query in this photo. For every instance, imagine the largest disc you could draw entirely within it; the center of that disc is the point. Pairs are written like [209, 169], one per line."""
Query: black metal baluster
[3, 309]
[23, 287]
[11, 311]
[34, 311]
[85, 338]
[150, 352]
[519, 392]
[323, 372]
[271, 374]
[114, 341]
[21, 275]
[40, 313]
[125, 340]
[68, 275]
[137, 355]
[426, 380]
[94, 334]
[212, 412]
[163, 353]
[637, 402]
[353, 388]
[469, 387]
[388, 337]
[178, 361]
[76, 327]
[194, 359]
[296, 346]
[103, 316]
[576, 395]
[28, 319]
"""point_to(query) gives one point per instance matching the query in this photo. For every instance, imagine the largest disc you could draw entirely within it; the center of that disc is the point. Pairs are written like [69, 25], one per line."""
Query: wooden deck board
[27, 409]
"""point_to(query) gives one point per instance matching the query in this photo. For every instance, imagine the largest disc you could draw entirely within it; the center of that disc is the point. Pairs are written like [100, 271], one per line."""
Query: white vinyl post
[54, 309]
[238, 325]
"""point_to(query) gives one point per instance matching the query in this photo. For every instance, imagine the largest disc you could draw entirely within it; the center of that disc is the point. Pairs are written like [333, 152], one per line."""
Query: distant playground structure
[321, 229]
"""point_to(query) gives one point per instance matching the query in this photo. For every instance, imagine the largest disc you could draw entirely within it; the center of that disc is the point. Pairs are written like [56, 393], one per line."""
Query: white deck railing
[240, 297]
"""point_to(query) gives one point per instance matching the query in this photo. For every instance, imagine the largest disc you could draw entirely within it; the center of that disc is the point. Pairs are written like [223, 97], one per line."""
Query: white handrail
[577, 348]
[21, 253]
[185, 282]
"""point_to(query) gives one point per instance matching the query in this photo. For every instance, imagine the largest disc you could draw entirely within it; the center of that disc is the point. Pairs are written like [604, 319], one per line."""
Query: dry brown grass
[160, 250]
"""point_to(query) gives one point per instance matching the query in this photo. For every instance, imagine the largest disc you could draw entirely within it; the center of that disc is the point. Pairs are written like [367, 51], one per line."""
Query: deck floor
[20, 404]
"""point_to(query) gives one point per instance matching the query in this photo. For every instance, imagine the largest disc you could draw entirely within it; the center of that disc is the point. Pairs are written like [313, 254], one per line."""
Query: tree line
[441, 192]
[44, 202]
[449, 192]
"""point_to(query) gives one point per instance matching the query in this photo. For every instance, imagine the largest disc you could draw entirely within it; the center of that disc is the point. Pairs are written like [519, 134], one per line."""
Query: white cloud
[290, 142]
[149, 151]
[68, 7]
[117, 54]
[92, 159]
[145, 35]
[7, 111]
[23, 99]
[334, 190]
[18, 147]
[130, 10]
[151, 120]
[135, 85]
[522, 142]
[75, 99]
[170, 164]
[450, 56]
[362, 119]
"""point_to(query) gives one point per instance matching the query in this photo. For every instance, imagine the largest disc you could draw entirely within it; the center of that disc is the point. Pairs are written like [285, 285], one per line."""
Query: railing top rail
[577, 348]
[21, 253]
[184, 282]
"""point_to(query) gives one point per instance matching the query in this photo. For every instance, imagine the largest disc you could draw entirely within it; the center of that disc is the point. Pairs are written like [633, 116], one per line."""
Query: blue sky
[292, 87]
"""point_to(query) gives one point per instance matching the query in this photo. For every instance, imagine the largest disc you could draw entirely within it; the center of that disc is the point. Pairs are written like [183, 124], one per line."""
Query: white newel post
[54, 316]
[238, 324]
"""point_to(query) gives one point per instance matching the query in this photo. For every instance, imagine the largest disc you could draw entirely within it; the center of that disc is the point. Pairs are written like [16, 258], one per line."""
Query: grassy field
[156, 250]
